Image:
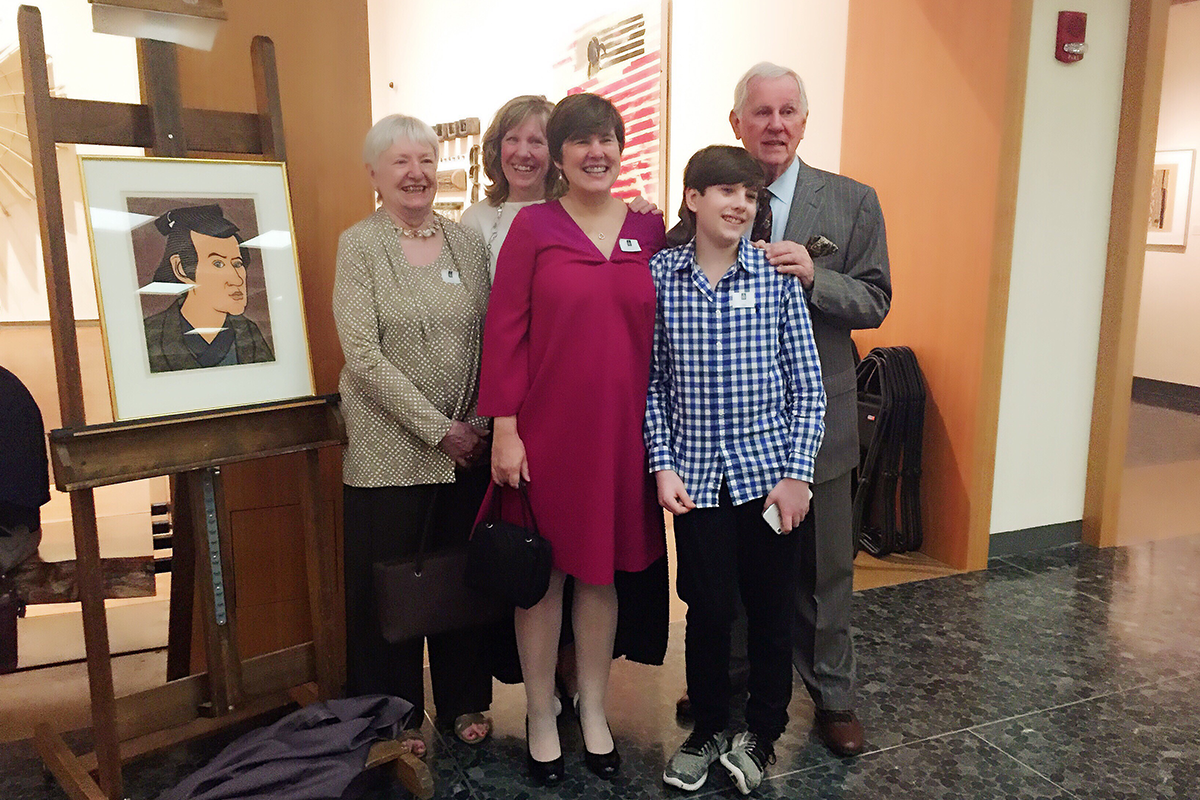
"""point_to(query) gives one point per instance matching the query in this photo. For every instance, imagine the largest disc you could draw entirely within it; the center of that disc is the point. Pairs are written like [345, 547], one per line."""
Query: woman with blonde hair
[516, 160]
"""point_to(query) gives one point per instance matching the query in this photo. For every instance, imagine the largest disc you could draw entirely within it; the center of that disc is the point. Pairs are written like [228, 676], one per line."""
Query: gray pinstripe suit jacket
[852, 289]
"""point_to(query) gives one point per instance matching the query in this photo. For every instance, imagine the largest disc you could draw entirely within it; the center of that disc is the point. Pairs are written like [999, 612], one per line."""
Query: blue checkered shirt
[735, 381]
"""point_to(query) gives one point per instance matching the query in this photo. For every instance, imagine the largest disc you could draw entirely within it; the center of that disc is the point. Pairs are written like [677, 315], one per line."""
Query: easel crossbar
[129, 125]
[200, 726]
[181, 701]
[99, 455]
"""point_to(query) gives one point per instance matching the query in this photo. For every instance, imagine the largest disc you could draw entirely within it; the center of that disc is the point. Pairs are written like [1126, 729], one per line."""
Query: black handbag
[509, 561]
[429, 594]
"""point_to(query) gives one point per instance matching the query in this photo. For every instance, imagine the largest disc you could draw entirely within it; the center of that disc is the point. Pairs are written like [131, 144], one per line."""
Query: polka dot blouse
[411, 337]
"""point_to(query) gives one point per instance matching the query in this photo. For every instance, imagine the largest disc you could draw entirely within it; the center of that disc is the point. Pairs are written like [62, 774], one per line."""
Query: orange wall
[927, 112]
[321, 55]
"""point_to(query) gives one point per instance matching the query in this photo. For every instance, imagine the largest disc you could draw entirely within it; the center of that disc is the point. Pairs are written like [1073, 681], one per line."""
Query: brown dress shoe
[683, 707]
[840, 731]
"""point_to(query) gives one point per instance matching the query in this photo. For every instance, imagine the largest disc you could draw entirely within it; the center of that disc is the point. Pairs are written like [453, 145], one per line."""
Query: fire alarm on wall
[1072, 30]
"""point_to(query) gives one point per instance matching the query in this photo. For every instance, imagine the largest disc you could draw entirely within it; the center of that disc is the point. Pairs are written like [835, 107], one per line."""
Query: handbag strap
[526, 506]
[420, 560]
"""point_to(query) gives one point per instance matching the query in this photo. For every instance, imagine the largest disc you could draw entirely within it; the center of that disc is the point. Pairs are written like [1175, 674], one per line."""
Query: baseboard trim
[1165, 394]
[1027, 540]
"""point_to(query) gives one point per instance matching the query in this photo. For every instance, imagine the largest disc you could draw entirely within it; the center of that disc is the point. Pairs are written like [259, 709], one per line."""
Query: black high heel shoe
[544, 773]
[603, 765]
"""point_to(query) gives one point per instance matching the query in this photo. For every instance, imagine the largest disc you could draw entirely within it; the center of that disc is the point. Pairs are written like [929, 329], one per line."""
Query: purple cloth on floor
[311, 754]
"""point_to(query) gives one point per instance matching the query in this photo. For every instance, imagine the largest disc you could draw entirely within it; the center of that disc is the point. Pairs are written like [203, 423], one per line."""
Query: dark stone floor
[1070, 673]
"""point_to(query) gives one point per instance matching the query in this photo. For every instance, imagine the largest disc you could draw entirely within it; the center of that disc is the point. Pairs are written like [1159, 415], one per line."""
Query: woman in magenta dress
[566, 361]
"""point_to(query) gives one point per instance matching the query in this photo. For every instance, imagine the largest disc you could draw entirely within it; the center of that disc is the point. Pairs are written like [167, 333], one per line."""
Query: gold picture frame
[197, 283]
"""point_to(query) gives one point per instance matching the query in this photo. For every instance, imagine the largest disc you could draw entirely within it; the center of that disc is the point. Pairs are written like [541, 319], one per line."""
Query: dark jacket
[24, 473]
[168, 352]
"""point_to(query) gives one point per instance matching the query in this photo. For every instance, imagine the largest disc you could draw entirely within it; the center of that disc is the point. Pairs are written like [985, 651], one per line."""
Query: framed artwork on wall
[625, 57]
[197, 282]
[1170, 196]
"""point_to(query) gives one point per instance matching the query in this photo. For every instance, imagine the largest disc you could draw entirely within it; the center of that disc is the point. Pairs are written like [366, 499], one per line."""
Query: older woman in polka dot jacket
[409, 299]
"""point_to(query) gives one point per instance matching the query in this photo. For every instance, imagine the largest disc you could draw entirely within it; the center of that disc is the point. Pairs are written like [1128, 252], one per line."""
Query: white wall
[713, 47]
[76, 53]
[415, 47]
[1168, 337]
[1062, 217]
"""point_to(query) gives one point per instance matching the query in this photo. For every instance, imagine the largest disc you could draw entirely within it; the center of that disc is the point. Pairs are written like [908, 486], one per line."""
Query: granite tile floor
[1069, 673]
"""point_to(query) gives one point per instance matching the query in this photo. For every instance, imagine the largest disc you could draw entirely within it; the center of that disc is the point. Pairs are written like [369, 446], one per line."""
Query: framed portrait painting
[1170, 195]
[625, 56]
[197, 283]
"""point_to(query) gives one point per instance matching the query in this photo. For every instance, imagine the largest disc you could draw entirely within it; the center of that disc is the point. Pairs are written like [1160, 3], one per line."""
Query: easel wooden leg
[90, 580]
[319, 561]
[305, 694]
[59, 759]
[183, 583]
[214, 571]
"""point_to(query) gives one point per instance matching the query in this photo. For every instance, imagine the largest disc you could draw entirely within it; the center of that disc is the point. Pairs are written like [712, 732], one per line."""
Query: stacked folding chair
[891, 406]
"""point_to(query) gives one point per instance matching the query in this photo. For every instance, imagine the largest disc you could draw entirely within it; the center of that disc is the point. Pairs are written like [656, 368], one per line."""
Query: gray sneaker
[688, 768]
[747, 761]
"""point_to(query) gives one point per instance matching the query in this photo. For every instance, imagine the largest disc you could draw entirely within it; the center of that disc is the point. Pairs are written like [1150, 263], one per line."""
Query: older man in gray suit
[849, 286]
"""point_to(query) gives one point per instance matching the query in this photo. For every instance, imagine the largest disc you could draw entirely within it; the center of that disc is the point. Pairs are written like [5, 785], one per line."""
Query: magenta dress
[566, 349]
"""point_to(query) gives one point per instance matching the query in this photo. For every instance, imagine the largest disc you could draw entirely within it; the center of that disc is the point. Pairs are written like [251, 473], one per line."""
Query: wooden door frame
[1145, 55]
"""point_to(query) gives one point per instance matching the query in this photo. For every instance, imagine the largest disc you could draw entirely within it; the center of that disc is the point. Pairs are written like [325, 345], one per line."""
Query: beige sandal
[412, 739]
[464, 721]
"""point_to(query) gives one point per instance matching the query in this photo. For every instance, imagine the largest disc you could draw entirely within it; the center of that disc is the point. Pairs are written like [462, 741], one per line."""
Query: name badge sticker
[630, 246]
[451, 276]
[743, 299]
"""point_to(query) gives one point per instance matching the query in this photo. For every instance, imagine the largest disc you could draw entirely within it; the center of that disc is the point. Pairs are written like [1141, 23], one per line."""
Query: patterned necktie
[762, 218]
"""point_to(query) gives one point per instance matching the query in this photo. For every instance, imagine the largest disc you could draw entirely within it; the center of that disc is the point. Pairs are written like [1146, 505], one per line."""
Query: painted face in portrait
[525, 159]
[770, 123]
[220, 280]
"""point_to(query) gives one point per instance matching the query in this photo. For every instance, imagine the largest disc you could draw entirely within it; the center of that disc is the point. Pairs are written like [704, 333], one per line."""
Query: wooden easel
[191, 448]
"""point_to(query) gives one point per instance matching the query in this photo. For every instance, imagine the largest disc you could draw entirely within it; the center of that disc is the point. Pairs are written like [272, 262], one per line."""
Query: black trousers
[727, 552]
[383, 524]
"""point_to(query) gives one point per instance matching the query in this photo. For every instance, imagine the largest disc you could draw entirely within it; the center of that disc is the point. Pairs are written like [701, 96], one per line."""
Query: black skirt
[643, 612]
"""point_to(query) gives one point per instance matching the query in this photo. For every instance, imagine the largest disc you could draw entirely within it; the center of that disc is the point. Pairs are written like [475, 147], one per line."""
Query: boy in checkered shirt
[734, 419]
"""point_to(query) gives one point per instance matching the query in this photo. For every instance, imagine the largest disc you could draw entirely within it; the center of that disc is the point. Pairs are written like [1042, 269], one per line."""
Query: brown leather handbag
[428, 593]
